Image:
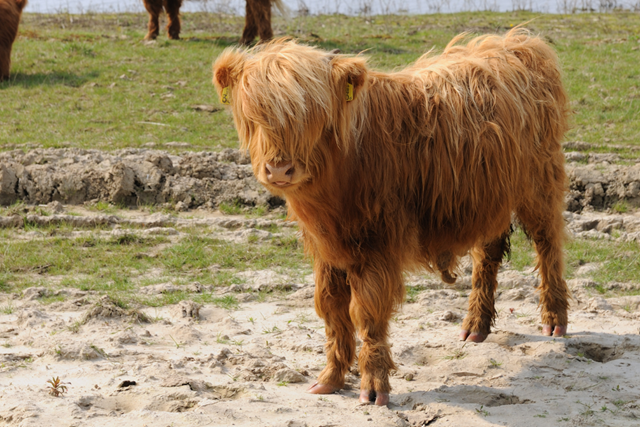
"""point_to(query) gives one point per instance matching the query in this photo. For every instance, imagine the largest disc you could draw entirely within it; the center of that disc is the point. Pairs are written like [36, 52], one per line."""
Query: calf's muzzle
[279, 173]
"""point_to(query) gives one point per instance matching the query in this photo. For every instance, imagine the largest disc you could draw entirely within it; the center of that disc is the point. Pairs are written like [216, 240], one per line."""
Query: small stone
[34, 293]
[448, 316]
[598, 304]
[516, 294]
[55, 207]
[189, 309]
[289, 375]
[575, 156]
[181, 207]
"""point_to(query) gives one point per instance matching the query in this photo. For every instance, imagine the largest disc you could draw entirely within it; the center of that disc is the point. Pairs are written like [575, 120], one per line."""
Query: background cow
[407, 170]
[257, 18]
[10, 12]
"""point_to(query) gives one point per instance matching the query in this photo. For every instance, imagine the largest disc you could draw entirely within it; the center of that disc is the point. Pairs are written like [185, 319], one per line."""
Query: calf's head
[291, 108]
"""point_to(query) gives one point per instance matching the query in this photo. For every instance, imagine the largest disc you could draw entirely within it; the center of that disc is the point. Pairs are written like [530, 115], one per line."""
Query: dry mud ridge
[200, 365]
[130, 177]
[152, 177]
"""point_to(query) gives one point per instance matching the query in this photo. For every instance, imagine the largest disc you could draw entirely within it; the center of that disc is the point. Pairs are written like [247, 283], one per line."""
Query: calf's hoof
[379, 398]
[318, 388]
[472, 336]
[556, 331]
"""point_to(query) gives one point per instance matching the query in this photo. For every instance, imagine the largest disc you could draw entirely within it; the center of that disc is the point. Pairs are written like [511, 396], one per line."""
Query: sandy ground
[251, 366]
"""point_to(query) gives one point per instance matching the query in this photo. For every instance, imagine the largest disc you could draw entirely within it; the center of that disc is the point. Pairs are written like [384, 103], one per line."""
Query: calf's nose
[279, 172]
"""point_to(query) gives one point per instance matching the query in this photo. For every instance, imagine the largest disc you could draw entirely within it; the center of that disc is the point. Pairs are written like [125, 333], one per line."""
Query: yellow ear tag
[349, 93]
[224, 97]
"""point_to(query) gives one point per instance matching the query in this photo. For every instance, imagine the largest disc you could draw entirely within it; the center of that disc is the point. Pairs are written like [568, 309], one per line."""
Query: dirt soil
[193, 365]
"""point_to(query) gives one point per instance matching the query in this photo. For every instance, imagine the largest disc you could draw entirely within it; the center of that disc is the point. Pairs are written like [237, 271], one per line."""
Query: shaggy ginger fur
[10, 12]
[257, 19]
[423, 166]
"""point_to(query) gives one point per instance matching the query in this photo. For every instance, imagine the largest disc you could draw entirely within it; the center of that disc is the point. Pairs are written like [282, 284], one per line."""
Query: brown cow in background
[388, 172]
[10, 12]
[257, 19]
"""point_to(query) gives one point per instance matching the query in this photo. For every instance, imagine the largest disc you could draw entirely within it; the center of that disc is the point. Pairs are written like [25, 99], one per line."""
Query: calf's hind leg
[546, 229]
[332, 299]
[376, 291]
[482, 312]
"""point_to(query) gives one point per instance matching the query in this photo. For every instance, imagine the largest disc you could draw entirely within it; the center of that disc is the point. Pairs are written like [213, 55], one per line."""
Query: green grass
[119, 266]
[237, 208]
[412, 293]
[621, 206]
[103, 207]
[621, 260]
[522, 253]
[199, 252]
[234, 208]
[90, 81]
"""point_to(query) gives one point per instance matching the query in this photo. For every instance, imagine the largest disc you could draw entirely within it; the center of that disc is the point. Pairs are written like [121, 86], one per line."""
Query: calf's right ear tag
[224, 96]
[349, 92]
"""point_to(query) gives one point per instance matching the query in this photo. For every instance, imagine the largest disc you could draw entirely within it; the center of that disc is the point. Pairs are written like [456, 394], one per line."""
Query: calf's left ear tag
[349, 92]
[224, 96]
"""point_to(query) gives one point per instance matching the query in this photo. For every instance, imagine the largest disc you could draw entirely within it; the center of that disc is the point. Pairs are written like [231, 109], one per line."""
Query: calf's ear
[349, 70]
[227, 68]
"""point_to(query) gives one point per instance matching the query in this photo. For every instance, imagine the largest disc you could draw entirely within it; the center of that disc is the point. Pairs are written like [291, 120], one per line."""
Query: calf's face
[289, 107]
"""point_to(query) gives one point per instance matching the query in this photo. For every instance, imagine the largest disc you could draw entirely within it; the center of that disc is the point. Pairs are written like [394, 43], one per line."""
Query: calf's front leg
[332, 299]
[376, 292]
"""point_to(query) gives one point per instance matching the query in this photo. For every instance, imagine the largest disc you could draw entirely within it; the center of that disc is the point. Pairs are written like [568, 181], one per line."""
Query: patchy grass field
[618, 261]
[90, 81]
[118, 266]
[119, 263]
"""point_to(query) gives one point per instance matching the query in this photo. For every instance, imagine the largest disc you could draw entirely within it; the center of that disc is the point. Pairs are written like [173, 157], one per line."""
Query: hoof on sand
[472, 336]
[380, 399]
[556, 331]
[318, 388]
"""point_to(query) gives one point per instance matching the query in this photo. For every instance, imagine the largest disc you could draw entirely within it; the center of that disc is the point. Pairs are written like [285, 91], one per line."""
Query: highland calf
[387, 172]
[10, 12]
[257, 19]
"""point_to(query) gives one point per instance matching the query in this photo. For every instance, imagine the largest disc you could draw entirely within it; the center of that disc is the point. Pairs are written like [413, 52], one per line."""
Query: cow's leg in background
[5, 60]
[546, 229]
[251, 22]
[486, 262]
[332, 299]
[172, 7]
[154, 7]
[264, 20]
[376, 291]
